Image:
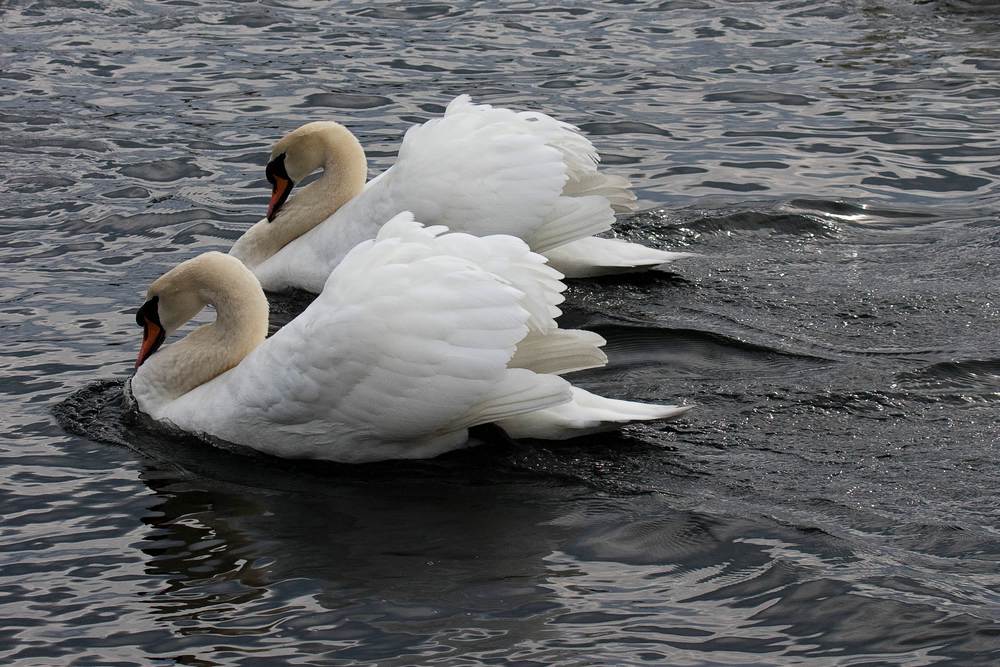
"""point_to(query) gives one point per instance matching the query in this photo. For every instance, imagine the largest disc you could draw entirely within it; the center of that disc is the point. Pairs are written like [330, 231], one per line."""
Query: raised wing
[473, 176]
[506, 257]
[578, 153]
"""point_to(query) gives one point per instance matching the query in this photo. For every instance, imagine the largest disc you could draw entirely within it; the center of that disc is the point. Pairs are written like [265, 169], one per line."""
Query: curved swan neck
[321, 145]
[212, 279]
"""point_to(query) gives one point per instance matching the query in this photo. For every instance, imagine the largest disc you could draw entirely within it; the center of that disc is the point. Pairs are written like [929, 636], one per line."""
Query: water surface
[831, 501]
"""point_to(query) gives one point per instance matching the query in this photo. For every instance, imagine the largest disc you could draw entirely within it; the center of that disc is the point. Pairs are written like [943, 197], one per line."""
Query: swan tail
[560, 351]
[598, 256]
[572, 219]
[520, 391]
[586, 413]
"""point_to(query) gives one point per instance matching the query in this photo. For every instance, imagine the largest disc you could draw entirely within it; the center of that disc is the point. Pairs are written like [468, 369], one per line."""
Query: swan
[477, 169]
[414, 339]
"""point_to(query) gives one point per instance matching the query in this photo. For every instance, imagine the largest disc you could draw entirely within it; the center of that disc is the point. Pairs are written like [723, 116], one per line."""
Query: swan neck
[345, 170]
[240, 319]
[211, 349]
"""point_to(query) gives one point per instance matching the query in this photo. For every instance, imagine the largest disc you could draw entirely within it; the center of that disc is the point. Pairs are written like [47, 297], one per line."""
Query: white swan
[477, 169]
[413, 339]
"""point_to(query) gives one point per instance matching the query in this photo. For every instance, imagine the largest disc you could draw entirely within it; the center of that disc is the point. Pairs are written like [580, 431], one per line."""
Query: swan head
[168, 307]
[174, 298]
[321, 144]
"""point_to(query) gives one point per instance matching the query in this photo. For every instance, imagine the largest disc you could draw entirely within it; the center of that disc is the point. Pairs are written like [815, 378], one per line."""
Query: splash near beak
[280, 189]
[153, 333]
[281, 185]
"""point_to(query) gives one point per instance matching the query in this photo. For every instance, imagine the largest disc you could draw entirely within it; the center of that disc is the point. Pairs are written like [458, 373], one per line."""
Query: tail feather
[518, 392]
[596, 256]
[586, 413]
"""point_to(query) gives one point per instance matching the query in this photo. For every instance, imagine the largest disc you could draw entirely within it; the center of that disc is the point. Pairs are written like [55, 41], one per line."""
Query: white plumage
[477, 169]
[409, 344]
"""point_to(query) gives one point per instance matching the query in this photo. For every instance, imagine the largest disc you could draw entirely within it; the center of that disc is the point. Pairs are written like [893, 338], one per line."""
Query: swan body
[415, 338]
[477, 169]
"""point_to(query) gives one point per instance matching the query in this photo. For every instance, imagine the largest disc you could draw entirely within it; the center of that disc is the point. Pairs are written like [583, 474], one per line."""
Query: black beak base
[150, 311]
[281, 185]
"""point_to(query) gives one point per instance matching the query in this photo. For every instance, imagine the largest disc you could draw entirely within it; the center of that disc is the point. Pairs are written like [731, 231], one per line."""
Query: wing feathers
[572, 218]
[506, 257]
[520, 173]
[616, 189]
[474, 176]
[560, 351]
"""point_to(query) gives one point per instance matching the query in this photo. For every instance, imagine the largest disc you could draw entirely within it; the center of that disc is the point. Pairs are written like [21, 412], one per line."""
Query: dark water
[832, 501]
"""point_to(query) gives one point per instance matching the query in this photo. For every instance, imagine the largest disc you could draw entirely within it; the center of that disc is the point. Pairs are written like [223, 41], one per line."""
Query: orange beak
[153, 333]
[152, 337]
[281, 187]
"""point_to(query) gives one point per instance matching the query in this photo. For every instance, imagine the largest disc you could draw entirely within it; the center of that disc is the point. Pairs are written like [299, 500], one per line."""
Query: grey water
[833, 498]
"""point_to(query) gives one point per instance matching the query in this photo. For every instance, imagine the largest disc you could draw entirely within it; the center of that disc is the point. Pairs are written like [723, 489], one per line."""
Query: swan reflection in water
[378, 555]
[455, 556]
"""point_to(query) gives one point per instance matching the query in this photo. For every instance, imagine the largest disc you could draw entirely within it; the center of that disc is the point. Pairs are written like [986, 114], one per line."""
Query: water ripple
[831, 500]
